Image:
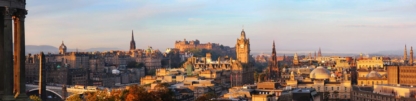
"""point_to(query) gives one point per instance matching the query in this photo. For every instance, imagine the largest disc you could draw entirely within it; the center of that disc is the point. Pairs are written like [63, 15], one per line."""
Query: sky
[343, 26]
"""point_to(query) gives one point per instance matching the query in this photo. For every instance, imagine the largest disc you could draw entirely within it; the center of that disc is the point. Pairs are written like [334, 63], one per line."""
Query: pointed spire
[284, 57]
[274, 48]
[132, 36]
[319, 52]
[411, 56]
[243, 34]
[274, 53]
[405, 53]
[132, 42]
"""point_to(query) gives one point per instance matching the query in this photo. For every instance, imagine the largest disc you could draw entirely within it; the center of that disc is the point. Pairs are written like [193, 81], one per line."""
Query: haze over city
[351, 26]
[207, 50]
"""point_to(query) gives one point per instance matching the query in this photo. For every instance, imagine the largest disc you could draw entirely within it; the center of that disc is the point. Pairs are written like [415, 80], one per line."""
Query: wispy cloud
[385, 25]
[108, 23]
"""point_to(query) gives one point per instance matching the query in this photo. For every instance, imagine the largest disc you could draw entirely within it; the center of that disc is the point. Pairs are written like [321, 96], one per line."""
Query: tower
[242, 70]
[319, 52]
[411, 56]
[274, 72]
[295, 59]
[405, 54]
[243, 48]
[62, 48]
[132, 43]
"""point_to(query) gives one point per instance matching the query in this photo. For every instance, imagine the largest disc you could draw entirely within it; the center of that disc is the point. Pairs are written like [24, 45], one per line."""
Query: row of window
[372, 82]
[408, 70]
[332, 88]
[370, 97]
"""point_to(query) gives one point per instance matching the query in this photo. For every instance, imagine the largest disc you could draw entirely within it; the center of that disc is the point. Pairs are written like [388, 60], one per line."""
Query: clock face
[242, 46]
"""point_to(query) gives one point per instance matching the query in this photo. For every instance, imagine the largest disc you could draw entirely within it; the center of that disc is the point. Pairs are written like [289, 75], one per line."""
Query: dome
[115, 71]
[320, 73]
[373, 74]
[62, 46]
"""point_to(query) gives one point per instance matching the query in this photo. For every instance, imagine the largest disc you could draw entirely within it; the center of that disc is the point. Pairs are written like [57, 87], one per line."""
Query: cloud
[384, 25]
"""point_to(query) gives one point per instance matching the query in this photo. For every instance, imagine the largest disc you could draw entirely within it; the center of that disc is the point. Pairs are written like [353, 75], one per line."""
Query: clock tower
[243, 48]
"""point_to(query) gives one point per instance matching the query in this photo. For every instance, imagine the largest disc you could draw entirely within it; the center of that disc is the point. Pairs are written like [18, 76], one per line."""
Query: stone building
[401, 75]
[372, 78]
[321, 80]
[385, 92]
[185, 48]
[225, 69]
[374, 62]
[93, 68]
[187, 45]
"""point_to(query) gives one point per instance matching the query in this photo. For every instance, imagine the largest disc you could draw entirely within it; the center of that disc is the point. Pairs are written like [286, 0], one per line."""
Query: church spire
[411, 56]
[274, 52]
[132, 36]
[319, 52]
[132, 42]
[405, 53]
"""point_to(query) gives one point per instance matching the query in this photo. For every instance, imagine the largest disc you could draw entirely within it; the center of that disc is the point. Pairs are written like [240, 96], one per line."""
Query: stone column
[20, 54]
[8, 55]
[1, 53]
[42, 85]
[15, 58]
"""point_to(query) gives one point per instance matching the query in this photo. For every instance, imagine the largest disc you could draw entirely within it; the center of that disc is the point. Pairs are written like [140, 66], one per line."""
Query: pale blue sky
[295, 25]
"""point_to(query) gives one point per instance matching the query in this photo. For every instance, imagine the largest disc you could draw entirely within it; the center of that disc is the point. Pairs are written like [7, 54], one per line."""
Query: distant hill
[100, 49]
[34, 49]
[392, 52]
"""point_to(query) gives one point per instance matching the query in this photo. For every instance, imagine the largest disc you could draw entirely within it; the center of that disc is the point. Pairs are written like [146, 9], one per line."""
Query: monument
[12, 62]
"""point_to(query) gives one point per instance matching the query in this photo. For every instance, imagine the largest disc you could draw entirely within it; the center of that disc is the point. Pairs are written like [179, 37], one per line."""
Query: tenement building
[383, 92]
[401, 75]
[324, 82]
[94, 68]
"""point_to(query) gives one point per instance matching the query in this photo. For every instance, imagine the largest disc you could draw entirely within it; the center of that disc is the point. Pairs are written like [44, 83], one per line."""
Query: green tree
[206, 96]
[75, 97]
[91, 96]
[262, 77]
[134, 64]
[163, 93]
[256, 76]
[35, 98]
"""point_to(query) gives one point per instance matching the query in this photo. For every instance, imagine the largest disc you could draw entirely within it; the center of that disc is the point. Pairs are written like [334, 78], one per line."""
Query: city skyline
[335, 26]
